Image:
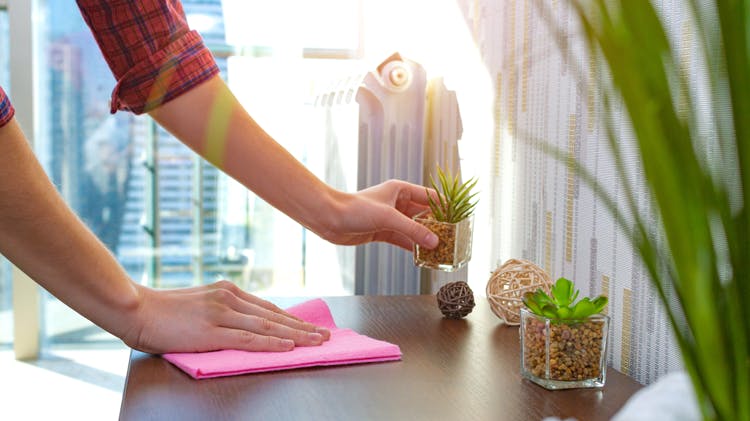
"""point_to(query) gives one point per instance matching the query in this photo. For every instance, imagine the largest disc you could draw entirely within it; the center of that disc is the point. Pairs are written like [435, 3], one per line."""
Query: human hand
[214, 317]
[382, 213]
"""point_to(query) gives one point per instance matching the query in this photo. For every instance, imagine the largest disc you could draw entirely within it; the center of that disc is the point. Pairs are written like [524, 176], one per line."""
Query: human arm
[162, 67]
[210, 120]
[42, 236]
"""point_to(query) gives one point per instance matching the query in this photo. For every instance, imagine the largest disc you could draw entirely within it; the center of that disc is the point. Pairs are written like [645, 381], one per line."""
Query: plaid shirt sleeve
[150, 49]
[6, 108]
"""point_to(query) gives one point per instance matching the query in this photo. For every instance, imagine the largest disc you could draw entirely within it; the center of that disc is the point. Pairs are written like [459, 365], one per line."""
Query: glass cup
[454, 248]
[564, 354]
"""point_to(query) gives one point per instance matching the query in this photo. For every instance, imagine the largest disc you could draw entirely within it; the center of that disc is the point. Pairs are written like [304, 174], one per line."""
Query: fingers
[413, 193]
[383, 213]
[401, 192]
[303, 330]
[234, 289]
[245, 304]
[244, 340]
[406, 200]
[214, 317]
[259, 301]
[257, 328]
[408, 195]
[414, 231]
[395, 238]
[412, 209]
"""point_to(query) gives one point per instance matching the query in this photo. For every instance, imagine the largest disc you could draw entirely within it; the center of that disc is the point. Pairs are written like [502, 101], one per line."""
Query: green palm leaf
[703, 210]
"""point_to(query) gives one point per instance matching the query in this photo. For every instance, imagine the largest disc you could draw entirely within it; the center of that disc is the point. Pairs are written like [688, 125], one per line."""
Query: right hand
[381, 213]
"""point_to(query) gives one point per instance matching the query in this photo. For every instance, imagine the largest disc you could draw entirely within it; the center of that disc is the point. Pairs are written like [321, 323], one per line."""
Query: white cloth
[669, 398]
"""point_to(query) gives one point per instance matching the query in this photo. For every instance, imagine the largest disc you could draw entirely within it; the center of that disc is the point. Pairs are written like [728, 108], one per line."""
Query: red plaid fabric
[150, 49]
[6, 109]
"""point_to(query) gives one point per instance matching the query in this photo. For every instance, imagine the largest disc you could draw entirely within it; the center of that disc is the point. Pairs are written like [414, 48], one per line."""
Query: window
[90, 155]
[171, 219]
[203, 225]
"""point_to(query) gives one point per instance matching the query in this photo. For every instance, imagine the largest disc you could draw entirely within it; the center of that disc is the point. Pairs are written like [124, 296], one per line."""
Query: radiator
[405, 124]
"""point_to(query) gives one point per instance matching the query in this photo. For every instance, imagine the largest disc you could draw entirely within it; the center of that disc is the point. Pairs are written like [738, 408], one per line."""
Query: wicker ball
[508, 284]
[455, 300]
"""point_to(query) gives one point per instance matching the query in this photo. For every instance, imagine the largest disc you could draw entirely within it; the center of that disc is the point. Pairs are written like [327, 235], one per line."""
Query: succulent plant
[454, 199]
[560, 304]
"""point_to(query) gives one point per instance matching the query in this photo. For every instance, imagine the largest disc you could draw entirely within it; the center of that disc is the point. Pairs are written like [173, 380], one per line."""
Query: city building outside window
[170, 218]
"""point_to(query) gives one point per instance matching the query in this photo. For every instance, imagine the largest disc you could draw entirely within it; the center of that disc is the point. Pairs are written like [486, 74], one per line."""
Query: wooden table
[451, 370]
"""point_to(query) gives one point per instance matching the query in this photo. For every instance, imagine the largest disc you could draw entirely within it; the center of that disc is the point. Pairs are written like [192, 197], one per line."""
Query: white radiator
[388, 123]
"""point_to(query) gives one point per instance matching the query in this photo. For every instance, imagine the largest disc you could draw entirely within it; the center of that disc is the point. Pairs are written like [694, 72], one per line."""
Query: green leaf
[559, 306]
[550, 311]
[531, 303]
[454, 199]
[599, 303]
[542, 298]
[564, 313]
[583, 309]
[562, 292]
[695, 248]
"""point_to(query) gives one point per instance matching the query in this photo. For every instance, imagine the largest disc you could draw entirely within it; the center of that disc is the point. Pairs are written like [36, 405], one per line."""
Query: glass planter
[564, 355]
[454, 248]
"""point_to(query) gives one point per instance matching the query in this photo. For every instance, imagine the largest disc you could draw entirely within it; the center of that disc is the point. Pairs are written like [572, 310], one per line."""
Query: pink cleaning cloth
[345, 347]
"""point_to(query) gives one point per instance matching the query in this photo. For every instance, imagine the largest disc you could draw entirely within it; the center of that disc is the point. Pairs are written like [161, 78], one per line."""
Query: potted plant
[451, 218]
[563, 342]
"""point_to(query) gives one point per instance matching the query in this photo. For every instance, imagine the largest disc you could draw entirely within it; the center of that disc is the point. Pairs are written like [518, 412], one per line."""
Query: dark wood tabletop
[451, 370]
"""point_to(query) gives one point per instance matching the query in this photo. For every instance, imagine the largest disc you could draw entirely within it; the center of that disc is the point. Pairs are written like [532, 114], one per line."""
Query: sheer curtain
[540, 209]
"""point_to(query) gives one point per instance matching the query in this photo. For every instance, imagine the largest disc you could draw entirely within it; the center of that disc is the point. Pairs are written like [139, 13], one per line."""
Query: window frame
[24, 85]
[26, 61]
[153, 217]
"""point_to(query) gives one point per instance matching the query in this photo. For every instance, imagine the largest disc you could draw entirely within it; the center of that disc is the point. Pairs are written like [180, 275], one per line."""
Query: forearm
[212, 122]
[42, 236]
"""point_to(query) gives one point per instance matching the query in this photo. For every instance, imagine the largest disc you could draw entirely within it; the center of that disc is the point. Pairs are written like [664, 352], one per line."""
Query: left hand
[212, 317]
[382, 213]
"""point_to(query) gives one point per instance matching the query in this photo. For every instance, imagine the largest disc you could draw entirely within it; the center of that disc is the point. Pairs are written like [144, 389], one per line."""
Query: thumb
[417, 232]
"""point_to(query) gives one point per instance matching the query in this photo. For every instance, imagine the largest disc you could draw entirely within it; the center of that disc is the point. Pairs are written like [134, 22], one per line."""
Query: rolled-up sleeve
[6, 108]
[152, 52]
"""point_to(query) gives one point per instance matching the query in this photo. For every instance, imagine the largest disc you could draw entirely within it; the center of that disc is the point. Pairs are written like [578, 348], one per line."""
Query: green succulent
[454, 199]
[560, 305]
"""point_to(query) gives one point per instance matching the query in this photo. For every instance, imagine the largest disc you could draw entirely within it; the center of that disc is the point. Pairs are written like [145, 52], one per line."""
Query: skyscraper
[182, 245]
[159, 220]
[88, 153]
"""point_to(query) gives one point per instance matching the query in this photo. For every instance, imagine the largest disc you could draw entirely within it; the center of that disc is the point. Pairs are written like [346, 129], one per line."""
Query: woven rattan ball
[508, 284]
[455, 300]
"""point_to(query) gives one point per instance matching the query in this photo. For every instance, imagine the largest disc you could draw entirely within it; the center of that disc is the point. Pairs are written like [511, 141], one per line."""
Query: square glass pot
[454, 248]
[564, 355]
